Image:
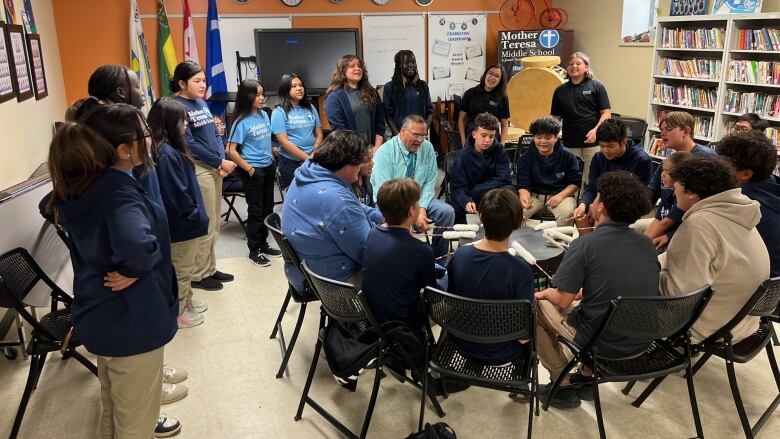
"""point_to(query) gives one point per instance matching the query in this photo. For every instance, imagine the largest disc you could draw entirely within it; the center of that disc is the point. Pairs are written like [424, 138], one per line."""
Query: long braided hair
[399, 80]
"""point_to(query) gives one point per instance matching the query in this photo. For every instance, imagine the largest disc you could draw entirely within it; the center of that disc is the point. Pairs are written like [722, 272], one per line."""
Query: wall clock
[423, 2]
[381, 2]
[337, 1]
[292, 2]
[241, 2]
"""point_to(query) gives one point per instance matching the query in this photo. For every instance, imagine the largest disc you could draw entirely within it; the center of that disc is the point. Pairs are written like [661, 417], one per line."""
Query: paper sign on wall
[456, 53]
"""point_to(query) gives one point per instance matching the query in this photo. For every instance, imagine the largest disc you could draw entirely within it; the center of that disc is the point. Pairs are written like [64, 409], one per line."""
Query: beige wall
[625, 71]
[26, 126]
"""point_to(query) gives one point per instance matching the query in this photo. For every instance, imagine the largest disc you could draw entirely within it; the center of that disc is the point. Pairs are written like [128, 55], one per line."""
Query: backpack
[439, 430]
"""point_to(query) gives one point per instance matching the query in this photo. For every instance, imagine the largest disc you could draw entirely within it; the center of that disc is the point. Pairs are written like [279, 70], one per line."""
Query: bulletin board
[456, 53]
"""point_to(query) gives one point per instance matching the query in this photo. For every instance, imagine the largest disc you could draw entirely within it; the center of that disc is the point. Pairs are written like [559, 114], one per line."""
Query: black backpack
[439, 430]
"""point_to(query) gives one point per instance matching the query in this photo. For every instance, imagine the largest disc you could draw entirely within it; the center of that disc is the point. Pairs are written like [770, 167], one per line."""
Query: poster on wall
[17, 54]
[36, 65]
[456, 53]
[6, 80]
[516, 44]
[736, 6]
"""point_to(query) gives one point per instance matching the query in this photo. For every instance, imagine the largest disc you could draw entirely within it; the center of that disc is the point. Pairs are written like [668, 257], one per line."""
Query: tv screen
[310, 53]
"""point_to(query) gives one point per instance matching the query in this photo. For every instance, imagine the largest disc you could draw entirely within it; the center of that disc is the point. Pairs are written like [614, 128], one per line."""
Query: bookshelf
[716, 67]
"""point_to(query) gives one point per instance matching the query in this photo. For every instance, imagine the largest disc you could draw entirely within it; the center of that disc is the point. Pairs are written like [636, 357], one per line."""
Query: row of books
[693, 38]
[691, 68]
[766, 38]
[766, 105]
[772, 133]
[701, 97]
[754, 72]
[702, 126]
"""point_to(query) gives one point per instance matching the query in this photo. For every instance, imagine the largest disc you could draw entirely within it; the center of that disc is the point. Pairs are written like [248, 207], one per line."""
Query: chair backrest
[644, 319]
[756, 305]
[339, 299]
[19, 274]
[480, 321]
[453, 138]
[273, 223]
[635, 127]
[768, 303]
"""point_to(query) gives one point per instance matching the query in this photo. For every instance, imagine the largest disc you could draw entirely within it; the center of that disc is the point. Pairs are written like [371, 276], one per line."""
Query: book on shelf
[691, 68]
[702, 125]
[765, 105]
[685, 95]
[766, 38]
[754, 72]
[680, 38]
[657, 148]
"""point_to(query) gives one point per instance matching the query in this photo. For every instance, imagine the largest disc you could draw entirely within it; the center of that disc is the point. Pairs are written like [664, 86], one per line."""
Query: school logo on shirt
[200, 117]
[298, 120]
[493, 103]
[587, 92]
[259, 131]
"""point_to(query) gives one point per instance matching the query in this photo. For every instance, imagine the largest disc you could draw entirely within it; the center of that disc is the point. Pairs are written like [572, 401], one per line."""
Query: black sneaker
[222, 277]
[564, 398]
[258, 258]
[166, 426]
[207, 283]
[583, 384]
[271, 252]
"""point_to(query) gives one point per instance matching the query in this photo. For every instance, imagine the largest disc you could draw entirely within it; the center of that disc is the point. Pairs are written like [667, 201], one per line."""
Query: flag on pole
[166, 54]
[139, 56]
[190, 46]
[215, 70]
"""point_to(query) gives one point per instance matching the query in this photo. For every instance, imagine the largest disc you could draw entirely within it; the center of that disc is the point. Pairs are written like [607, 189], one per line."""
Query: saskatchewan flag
[166, 54]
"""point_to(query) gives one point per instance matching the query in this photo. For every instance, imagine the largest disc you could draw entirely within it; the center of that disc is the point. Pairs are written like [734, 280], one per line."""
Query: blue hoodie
[325, 223]
[115, 226]
[635, 161]
[474, 174]
[181, 196]
[767, 193]
[548, 175]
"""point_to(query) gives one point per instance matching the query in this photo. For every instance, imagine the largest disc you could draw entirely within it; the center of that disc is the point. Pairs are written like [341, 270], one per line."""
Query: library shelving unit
[716, 67]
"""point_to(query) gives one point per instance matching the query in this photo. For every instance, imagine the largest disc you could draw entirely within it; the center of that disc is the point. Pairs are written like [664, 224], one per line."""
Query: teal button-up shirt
[390, 162]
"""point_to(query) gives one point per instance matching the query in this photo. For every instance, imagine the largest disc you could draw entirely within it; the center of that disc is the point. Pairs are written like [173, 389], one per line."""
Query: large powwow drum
[530, 90]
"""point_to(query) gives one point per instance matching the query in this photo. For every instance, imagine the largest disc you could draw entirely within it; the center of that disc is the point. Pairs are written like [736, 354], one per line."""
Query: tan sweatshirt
[718, 244]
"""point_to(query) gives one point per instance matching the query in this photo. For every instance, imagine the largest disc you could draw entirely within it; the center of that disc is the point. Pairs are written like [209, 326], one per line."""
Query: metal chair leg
[743, 419]
[773, 406]
[646, 393]
[309, 378]
[692, 397]
[627, 388]
[20, 332]
[28, 389]
[281, 312]
[597, 401]
[372, 402]
[293, 339]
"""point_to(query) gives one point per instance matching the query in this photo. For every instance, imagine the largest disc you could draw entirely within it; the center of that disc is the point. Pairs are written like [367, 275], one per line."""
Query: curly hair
[501, 213]
[751, 150]
[624, 196]
[705, 176]
[545, 126]
[341, 148]
[611, 130]
[339, 80]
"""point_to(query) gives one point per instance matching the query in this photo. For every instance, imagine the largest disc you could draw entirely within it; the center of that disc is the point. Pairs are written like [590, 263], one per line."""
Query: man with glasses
[410, 155]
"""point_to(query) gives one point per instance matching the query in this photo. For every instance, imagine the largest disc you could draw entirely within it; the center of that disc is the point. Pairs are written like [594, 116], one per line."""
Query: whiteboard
[239, 34]
[384, 35]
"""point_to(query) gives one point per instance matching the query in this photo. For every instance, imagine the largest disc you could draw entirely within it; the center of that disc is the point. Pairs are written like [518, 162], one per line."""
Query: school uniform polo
[579, 106]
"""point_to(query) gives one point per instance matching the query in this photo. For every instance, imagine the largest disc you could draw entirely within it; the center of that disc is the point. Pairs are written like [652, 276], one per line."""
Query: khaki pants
[550, 323]
[563, 211]
[211, 190]
[183, 255]
[585, 154]
[130, 392]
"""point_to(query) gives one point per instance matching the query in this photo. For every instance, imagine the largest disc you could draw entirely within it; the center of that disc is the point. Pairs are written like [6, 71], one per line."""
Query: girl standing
[296, 125]
[489, 96]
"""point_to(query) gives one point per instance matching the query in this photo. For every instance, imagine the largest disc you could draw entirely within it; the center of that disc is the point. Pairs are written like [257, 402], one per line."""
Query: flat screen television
[310, 53]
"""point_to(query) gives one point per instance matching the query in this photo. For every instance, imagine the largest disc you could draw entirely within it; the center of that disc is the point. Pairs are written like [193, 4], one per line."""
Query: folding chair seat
[232, 188]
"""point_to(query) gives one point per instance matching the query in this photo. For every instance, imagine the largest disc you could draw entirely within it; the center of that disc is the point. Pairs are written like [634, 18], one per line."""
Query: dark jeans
[460, 211]
[259, 190]
[287, 169]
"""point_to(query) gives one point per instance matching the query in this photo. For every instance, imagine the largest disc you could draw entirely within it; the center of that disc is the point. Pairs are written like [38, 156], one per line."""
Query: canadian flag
[190, 45]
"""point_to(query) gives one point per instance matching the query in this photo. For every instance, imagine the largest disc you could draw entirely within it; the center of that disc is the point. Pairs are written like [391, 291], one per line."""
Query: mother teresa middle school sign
[516, 44]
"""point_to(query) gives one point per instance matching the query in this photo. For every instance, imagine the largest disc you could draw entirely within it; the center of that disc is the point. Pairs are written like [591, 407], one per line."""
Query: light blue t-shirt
[253, 133]
[299, 125]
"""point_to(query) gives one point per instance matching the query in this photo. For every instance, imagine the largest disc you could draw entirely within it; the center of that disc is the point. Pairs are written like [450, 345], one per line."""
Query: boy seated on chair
[549, 174]
[612, 261]
[396, 265]
[667, 217]
[487, 271]
[481, 165]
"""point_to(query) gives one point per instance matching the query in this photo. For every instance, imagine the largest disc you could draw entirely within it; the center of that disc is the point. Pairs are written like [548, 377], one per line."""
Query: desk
[529, 238]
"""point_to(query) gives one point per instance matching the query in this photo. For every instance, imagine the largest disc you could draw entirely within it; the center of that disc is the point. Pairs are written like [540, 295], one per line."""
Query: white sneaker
[188, 320]
[166, 426]
[173, 392]
[172, 375]
[195, 306]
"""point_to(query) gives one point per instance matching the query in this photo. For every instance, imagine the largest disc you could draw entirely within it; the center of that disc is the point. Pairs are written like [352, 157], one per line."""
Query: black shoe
[222, 277]
[271, 252]
[564, 398]
[166, 426]
[583, 384]
[258, 258]
[207, 283]
[451, 386]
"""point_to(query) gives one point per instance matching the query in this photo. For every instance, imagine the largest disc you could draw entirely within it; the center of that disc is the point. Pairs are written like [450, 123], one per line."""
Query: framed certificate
[36, 66]
[6, 80]
[17, 55]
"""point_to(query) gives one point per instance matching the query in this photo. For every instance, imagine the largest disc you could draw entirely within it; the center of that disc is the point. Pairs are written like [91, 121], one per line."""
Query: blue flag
[215, 70]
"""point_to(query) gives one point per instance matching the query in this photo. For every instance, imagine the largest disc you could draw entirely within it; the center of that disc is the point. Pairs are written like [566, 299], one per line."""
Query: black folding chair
[453, 138]
[763, 303]
[232, 188]
[546, 267]
[19, 274]
[635, 127]
[449, 161]
[342, 303]
[274, 224]
[484, 321]
[653, 320]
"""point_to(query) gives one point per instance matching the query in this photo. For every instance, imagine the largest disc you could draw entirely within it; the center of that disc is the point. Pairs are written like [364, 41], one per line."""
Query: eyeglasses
[417, 136]
[494, 75]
